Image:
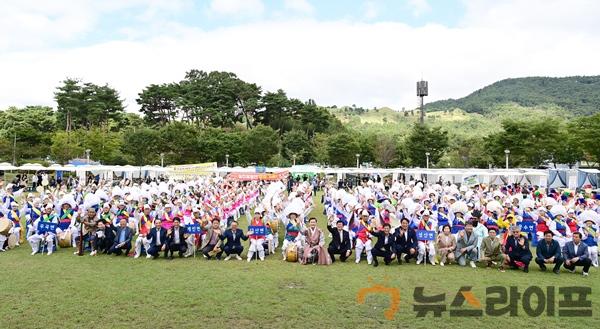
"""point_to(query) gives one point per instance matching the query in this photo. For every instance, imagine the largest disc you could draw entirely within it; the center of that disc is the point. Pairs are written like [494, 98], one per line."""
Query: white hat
[365, 213]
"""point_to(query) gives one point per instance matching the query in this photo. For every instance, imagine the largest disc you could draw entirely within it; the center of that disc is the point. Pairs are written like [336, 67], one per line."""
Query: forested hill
[579, 95]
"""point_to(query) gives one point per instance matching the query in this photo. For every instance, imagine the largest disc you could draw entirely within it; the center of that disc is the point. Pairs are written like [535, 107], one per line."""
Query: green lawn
[67, 291]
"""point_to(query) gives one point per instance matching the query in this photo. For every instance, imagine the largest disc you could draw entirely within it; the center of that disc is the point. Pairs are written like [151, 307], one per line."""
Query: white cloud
[237, 8]
[419, 7]
[371, 10]
[301, 6]
[342, 62]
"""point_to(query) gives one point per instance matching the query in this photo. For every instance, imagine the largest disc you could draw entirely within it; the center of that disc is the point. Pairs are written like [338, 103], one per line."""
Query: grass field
[67, 291]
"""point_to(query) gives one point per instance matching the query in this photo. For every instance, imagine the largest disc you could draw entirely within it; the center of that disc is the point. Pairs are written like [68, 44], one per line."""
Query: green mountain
[579, 95]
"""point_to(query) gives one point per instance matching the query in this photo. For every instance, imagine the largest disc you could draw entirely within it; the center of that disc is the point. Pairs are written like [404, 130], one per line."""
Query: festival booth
[557, 178]
[587, 177]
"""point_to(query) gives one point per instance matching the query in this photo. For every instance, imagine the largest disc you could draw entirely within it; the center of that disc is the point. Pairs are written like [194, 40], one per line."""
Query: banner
[44, 227]
[258, 176]
[425, 235]
[528, 227]
[470, 180]
[198, 169]
[194, 229]
[258, 230]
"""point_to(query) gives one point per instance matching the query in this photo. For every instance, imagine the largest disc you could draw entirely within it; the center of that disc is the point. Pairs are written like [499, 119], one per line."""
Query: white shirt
[176, 232]
[158, 237]
[575, 247]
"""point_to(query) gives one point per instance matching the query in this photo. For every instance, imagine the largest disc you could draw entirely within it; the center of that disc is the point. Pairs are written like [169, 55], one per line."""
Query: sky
[337, 52]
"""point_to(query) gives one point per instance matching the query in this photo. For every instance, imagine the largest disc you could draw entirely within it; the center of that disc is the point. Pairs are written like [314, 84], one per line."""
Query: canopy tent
[557, 178]
[7, 166]
[32, 167]
[587, 177]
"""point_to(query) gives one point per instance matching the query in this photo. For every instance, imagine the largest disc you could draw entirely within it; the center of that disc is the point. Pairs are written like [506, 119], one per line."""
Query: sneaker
[494, 263]
[76, 253]
[2, 250]
[369, 262]
[543, 268]
[472, 263]
[375, 263]
[284, 258]
[93, 253]
[501, 269]
[526, 269]
[557, 271]
[33, 253]
[238, 257]
[572, 271]
[419, 262]
[148, 256]
[249, 260]
[433, 263]
[227, 258]
[585, 273]
[49, 252]
[136, 256]
[442, 264]
[595, 265]
[262, 259]
[358, 261]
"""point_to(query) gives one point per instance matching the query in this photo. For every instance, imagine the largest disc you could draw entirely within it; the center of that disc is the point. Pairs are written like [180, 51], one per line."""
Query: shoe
[33, 253]
[76, 253]
[375, 263]
[557, 271]
[442, 264]
[262, 259]
[49, 253]
[572, 271]
[148, 256]
[93, 253]
[369, 262]
[227, 258]
[501, 269]
[18, 244]
[249, 260]
[238, 257]
[494, 263]
[472, 263]
[526, 269]
[2, 250]
[433, 263]
[595, 265]
[358, 261]
[419, 262]
[284, 258]
[543, 268]
[585, 273]
[136, 256]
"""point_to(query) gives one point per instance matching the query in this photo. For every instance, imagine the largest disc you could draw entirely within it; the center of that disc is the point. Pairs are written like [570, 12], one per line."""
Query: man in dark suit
[405, 242]
[340, 242]
[384, 246]
[123, 235]
[548, 252]
[157, 239]
[575, 253]
[233, 245]
[176, 239]
[517, 250]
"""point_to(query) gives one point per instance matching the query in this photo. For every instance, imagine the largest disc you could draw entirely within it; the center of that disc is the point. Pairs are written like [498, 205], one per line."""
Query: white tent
[32, 167]
[7, 166]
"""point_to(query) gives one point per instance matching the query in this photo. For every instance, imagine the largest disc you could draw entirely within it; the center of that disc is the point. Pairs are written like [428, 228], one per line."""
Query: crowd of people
[493, 226]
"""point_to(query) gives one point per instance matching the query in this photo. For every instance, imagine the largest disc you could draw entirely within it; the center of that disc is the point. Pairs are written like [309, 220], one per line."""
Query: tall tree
[86, 105]
[423, 139]
[157, 103]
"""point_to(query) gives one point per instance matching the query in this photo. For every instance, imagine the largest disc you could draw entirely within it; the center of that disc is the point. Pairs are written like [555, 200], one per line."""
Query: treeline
[579, 95]
[207, 116]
